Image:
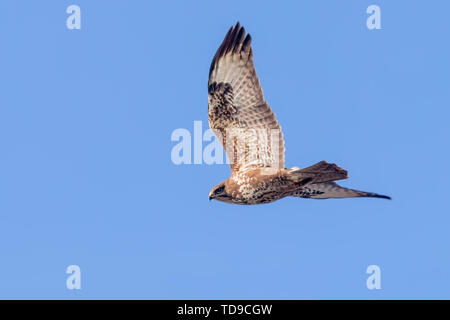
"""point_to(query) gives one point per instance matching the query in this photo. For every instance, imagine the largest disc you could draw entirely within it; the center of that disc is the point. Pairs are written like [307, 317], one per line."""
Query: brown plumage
[252, 137]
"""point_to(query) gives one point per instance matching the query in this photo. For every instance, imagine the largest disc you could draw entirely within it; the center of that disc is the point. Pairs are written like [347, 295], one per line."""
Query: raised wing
[237, 112]
[333, 190]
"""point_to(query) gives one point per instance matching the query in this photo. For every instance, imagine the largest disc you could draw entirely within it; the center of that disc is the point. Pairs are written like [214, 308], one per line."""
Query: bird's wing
[237, 112]
[333, 190]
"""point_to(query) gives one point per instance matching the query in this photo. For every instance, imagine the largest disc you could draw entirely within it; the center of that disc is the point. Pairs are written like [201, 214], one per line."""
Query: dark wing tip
[246, 45]
[376, 195]
[235, 41]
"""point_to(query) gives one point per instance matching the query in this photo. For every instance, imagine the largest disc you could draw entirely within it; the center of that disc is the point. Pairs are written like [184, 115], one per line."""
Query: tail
[318, 173]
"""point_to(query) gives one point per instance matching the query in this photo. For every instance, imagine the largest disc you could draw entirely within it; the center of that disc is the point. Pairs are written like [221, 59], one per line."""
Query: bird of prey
[251, 136]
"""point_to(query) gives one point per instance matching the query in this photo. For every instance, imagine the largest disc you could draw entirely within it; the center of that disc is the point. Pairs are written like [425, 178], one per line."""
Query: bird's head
[219, 193]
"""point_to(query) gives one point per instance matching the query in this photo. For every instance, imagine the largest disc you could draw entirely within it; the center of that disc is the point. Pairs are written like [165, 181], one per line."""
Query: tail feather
[318, 173]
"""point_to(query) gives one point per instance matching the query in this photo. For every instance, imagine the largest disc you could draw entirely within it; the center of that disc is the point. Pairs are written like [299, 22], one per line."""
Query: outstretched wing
[237, 112]
[333, 190]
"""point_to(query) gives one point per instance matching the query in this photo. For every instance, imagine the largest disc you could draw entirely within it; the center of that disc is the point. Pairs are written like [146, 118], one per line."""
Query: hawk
[251, 136]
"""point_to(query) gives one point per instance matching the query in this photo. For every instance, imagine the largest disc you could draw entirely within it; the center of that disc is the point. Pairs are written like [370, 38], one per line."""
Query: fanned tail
[318, 173]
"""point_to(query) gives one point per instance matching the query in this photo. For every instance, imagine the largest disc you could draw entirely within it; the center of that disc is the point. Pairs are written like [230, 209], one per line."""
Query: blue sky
[86, 176]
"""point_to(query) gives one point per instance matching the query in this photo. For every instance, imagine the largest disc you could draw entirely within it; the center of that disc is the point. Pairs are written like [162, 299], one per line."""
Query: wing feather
[237, 111]
[333, 190]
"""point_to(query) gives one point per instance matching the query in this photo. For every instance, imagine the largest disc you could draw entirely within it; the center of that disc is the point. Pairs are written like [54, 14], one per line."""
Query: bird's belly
[249, 194]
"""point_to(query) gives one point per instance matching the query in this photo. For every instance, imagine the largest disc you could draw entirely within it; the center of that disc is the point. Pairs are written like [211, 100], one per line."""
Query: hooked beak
[210, 198]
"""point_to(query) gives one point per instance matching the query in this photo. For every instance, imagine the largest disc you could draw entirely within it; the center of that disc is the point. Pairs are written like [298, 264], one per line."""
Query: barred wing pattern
[237, 112]
[333, 190]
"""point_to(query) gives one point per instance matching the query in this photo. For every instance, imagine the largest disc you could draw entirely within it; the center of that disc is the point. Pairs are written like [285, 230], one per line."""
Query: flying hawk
[251, 136]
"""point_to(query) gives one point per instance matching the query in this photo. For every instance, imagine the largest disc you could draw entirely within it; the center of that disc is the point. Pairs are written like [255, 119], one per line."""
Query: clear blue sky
[86, 176]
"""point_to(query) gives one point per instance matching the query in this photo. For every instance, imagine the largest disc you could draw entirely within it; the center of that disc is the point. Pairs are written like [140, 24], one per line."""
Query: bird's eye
[219, 190]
